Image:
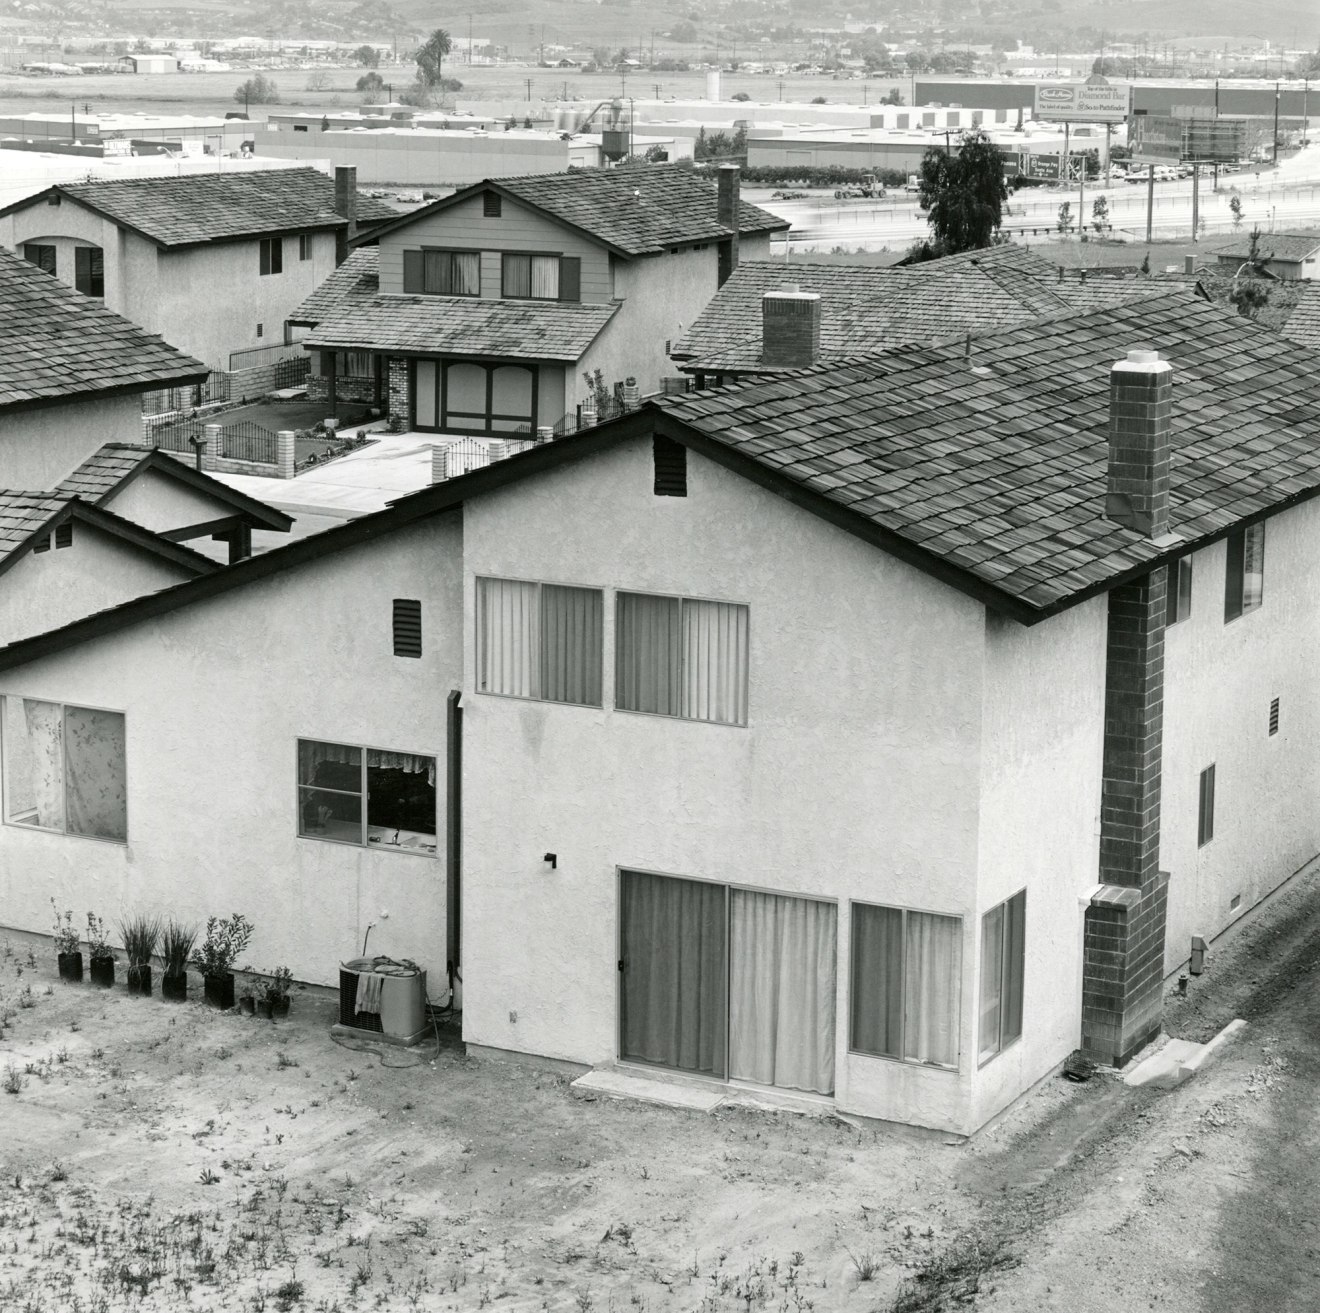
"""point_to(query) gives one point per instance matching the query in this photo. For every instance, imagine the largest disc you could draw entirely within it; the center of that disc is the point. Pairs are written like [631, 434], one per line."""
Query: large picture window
[679, 656]
[540, 641]
[906, 972]
[1003, 958]
[462, 396]
[64, 769]
[366, 796]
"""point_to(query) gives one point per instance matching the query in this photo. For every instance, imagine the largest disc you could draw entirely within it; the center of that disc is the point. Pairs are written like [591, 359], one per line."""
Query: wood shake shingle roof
[197, 208]
[354, 283]
[57, 345]
[996, 463]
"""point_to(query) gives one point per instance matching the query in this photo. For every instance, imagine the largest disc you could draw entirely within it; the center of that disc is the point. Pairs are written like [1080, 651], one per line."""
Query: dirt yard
[162, 1156]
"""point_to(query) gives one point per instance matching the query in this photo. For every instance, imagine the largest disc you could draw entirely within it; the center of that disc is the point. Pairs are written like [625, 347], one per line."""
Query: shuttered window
[407, 627]
[442, 273]
[537, 277]
[670, 467]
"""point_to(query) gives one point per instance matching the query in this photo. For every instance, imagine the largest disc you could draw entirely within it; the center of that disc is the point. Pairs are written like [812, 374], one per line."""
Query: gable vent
[492, 204]
[407, 627]
[1274, 716]
[64, 534]
[670, 467]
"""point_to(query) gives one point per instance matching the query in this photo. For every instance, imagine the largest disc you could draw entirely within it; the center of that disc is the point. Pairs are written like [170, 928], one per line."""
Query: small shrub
[98, 942]
[176, 946]
[866, 1263]
[13, 1080]
[66, 937]
[58, 1172]
[282, 1060]
[140, 935]
[226, 938]
[208, 1177]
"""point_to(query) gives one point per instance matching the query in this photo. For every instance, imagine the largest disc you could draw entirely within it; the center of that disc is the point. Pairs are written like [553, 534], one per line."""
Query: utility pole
[1196, 199]
[1276, 123]
[1150, 202]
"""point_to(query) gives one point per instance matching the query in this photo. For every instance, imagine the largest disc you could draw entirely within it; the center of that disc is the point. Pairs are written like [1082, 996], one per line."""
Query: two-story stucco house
[213, 263]
[88, 516]
[510, 304]
[841, 736]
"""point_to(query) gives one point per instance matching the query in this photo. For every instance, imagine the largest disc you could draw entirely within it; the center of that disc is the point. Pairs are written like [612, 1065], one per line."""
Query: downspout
[453, 839]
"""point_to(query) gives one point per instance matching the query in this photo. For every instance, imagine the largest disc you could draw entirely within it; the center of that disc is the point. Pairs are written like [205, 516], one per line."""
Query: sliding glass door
[731, 983]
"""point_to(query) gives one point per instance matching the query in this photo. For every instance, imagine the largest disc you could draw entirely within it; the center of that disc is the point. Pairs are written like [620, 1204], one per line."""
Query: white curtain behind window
[877, 980]
[571, 644]
[782, 955]
[95, 785]
[508, 625]
[933, 969]
[46, 754]
[545, 277]
[715, 661]
[648, 654]
[467, 273]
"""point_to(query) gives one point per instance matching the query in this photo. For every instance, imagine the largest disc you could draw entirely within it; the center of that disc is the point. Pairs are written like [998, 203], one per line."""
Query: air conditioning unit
[402, 1016]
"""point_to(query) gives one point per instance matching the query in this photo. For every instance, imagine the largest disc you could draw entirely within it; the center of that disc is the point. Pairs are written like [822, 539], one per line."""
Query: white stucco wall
[215, 697]
[44, 590]
[161, 504]
[857, 776]
[1219, 680]
[40, 447]
[1042, 748]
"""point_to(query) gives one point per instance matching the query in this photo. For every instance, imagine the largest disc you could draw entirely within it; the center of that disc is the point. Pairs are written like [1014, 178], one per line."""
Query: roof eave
[118, 390]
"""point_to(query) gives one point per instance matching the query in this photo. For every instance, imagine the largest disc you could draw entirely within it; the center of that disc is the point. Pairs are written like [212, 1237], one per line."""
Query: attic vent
[42, 544]
[64, 534]
[407, 627]
[491, 204]
[670, 467]
[1274, 715]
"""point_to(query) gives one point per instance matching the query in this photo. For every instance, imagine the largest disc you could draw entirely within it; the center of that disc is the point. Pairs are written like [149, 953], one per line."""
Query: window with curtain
[906, 970]
[1244, 581]
[1003, 959]
[530, 277]
[366, 796]
[451, 273]
[542, 641]
[64, 769]
[680, 656]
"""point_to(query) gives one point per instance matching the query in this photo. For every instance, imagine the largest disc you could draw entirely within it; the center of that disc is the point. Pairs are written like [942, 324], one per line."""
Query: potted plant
[101, 954]
[226, 938]
[66, 945]
[176, 946]
[247, 1002]
[140, 935]
[274, 1000]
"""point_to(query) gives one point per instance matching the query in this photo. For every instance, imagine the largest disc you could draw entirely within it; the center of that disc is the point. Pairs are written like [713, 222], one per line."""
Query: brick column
[285, 454]
[398, 398]
[214, 450]
[1123, 957]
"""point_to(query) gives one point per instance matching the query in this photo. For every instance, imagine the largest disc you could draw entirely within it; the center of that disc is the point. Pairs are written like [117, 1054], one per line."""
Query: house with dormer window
[518, 304]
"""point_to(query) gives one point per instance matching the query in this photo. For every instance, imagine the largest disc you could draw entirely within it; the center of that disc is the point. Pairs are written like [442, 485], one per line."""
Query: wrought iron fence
[176, 434]
[168, 400]
[249, 441]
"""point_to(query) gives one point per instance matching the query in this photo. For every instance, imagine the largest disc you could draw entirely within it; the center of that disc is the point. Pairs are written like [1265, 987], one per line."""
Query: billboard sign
[1156, 139]
[1161, 139]
[1082, 102]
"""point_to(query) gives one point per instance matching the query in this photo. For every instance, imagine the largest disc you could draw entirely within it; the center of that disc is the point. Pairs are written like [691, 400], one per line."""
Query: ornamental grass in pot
[67, 949]
[176, 947]
[99, 951]
[140, 935]
[226, 938]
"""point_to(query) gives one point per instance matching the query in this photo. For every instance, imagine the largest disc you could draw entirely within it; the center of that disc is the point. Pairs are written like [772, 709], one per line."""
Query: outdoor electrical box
[1197, 963]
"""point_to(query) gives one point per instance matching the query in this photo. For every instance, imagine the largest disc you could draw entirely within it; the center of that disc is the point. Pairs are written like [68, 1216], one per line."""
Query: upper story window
[678, 656]
[1179, 591]
[272, 255]
[540, 641]
[64, 769]
[89, 270]
[366, 796]
[1244, 581]
[305, 245]
[442, 273]
[541, 277]
[41, 254]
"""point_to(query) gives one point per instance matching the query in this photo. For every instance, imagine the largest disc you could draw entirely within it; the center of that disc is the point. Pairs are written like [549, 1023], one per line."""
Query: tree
[318, 81]
[819, 100]
[371, 84]
[367, 56]
[430, 57]
[1100, 214]
[740, 95]
[1065, 217]
[1236, 206]
[895, 97]
[259, 90]
[964, 194]
[685, 33]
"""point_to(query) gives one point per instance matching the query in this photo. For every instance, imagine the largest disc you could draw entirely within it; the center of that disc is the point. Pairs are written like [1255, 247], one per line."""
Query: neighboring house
[1285, 255]
[1302, 323]
[62, 558]
[214, 263]
[510, 304]
[754, 326]
[72, 376]
[842, 734]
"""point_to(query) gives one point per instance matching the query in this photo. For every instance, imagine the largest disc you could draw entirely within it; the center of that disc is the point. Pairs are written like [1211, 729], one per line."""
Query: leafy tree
[740, 95]
[1236, 206]
[431, 57]
[895, 97]
[367, 56]
[259, 90]
[371, 84]
[686, 33]
[1065, 216]
[819, 100]
[964, 194]
[1100, 214]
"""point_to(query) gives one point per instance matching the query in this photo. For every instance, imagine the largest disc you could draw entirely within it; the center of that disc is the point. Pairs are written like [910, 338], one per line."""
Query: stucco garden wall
[215, 698]
[857, 776]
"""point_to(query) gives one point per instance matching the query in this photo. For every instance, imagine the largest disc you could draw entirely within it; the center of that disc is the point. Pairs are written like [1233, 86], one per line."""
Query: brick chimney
[1140, 427]
[790, 327]
[727, 214]
[345, 207]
